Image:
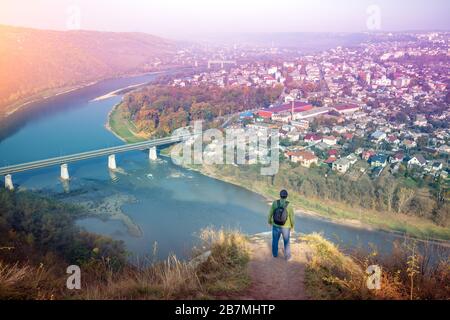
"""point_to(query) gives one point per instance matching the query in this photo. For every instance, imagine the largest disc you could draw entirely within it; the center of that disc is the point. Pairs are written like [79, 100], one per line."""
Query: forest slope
[35, 62]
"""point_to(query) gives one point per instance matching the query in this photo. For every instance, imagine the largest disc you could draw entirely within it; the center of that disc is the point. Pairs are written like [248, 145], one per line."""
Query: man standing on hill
[281, 218]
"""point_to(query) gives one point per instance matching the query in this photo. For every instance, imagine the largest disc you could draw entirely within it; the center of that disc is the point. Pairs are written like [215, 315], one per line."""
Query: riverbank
[121, 127]
[21, 104]
[338, 213]
[118, 91]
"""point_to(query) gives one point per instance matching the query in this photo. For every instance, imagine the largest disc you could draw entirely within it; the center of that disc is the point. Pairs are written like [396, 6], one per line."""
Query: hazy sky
[175, 18]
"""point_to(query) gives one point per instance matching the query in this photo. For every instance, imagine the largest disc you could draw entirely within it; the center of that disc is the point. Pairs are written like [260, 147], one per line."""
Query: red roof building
[348, 136]
[331, 159]
[393, 139]
[287, 107]
[366, 155]
[398, 157]
[265, 114]
[332, 152]
[313, 137]
[346, 108]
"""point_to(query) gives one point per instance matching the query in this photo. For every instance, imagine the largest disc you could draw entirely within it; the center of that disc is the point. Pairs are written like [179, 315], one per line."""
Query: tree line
[37, 229]
[160, 109]
[388, 193]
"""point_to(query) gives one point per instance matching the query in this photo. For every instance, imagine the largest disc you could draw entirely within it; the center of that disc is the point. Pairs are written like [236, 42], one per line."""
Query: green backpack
[280, 214]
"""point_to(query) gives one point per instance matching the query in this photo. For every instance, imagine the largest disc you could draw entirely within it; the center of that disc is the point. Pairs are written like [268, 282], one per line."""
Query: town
[209, 151]
[379, 106]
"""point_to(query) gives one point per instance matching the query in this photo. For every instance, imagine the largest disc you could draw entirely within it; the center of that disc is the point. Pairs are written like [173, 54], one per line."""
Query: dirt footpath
[276, 278]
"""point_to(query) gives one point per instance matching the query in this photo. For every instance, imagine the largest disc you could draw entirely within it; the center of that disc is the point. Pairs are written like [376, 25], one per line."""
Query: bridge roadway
[221, 62]
[91, 154]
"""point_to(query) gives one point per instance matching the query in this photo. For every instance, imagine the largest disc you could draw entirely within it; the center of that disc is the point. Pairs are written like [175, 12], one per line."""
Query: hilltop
[38, 63]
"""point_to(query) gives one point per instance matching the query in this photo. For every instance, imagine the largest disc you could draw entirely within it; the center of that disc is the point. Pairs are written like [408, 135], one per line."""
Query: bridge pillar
[65, 172]
[112, 162]
[152, 155]
[66, 186]
[9, 183]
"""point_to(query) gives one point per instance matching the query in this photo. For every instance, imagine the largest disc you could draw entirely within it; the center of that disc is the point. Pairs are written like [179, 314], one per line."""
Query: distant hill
[35, 63]
[304, 42]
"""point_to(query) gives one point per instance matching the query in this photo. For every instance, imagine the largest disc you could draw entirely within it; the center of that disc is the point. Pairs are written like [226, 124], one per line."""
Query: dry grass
[26, 282]
[406, 274]
[170, 279]
[222, 274]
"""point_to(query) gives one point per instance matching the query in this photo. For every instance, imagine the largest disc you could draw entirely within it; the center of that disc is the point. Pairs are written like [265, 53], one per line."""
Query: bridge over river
[63, 161]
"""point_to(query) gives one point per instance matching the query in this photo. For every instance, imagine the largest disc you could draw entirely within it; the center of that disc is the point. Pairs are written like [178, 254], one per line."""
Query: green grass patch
[122, 126]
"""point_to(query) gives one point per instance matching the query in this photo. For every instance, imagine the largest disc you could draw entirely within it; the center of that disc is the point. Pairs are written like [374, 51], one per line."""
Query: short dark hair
[283, 194]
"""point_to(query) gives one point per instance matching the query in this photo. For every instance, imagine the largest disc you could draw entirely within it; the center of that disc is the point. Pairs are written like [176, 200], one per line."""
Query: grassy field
[122, 126]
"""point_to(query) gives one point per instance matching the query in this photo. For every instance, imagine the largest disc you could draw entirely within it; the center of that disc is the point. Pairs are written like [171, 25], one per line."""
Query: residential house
[322, 146]
[329, 140]
[341, 165]
[348, 136]
[352, 158]
[366, 155]
[312, 137]
[378, 160]
[398, 157]
[378, 136]
[332, 158]
[409, 143]
[339, 129]
[377, 171]
[293, 136]
[417, 160]
[332, 152]
[444, 148]
[359, 151]
[305, 158]
[444, 173]
[393, 139]
[421, 120]
[435, 167]
[324, 130]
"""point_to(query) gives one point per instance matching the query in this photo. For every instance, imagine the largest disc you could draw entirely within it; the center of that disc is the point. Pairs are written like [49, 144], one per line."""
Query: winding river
[156, 208]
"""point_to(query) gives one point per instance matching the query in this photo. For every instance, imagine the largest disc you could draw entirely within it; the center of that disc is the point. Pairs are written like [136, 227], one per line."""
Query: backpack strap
[279, 204]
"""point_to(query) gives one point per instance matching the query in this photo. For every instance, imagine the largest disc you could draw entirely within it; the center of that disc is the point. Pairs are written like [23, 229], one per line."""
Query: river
[151, 202]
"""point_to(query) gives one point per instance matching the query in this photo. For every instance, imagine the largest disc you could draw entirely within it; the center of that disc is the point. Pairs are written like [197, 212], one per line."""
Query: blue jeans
[276, 234]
